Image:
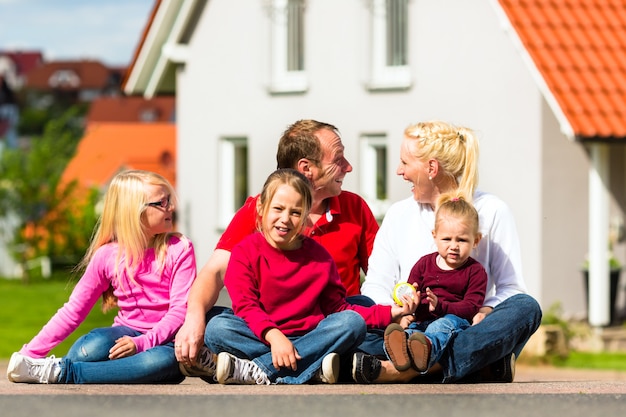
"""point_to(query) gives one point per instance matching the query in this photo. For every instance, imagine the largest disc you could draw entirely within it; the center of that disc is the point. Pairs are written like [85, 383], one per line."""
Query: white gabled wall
[464, 69]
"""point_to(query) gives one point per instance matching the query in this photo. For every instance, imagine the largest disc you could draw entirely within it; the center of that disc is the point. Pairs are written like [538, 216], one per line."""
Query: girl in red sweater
[290, 319]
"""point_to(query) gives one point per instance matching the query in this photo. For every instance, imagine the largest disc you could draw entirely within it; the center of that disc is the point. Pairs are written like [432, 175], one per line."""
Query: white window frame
[227, 180]
[385, 76]
[64, 78]
[282, 78]
[370, 170]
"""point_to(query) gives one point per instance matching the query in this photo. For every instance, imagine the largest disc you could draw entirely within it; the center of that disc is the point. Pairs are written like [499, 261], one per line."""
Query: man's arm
[202, 297]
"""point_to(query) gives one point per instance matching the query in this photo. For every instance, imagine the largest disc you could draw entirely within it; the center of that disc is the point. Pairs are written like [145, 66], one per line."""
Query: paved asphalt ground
[537, 391]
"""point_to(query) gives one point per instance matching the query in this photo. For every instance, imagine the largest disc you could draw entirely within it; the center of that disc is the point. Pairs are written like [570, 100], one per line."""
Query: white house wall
[465, 70]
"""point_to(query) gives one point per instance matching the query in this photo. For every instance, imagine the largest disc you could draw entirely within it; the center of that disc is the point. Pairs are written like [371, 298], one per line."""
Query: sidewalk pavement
[528, 380]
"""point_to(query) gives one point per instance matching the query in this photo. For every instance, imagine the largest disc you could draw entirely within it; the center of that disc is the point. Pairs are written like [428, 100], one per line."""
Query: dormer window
[149, 115]
[64, 79]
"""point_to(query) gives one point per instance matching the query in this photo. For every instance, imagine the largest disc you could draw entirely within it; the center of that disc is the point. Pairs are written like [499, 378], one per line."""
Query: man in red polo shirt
[340, 221]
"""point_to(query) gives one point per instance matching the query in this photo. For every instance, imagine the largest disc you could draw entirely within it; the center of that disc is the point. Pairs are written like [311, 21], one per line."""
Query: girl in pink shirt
[135, 263]
[290, 319]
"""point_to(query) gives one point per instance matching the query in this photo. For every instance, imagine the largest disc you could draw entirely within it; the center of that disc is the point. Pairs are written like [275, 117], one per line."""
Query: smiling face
[416, 172]
[158, 217]
[455, 240]
[327, 178]
[282, 219]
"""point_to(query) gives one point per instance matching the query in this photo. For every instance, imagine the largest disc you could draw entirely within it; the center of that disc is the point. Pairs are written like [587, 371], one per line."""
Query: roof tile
[579, 46]
[108, 147]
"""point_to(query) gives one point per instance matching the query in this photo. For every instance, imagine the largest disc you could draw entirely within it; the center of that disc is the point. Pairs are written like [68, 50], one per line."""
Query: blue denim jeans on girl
[87, 361]
[338, 332]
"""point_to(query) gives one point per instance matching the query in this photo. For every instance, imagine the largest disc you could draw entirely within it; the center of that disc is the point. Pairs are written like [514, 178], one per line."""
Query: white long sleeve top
[405, 236]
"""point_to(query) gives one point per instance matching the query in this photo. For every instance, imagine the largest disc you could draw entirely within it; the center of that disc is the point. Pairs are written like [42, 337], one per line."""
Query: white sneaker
[232, 370]
[33, 371]
[204, 367]
[329, 371]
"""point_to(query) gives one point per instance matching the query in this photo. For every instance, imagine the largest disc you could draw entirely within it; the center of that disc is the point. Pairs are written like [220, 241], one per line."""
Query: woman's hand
[482, 313]
[284, 354]
[123, 347]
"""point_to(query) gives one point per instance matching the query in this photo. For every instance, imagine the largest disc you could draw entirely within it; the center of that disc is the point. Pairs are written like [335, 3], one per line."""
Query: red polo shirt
[347, 231]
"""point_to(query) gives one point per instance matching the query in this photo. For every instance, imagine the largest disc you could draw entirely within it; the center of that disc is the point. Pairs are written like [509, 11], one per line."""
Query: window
[389, 48]
[374, 173]
[233, 177]
[64, 79]
[287, 46]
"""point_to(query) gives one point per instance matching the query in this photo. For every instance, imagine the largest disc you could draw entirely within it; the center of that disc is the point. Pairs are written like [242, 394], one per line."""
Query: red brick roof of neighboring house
[108, 148]
[579, 48]
[25, 61]
[131, 109]
[70, 75]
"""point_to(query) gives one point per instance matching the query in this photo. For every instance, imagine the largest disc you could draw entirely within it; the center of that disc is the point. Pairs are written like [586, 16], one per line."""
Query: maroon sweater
[459, 291]
[289, 290]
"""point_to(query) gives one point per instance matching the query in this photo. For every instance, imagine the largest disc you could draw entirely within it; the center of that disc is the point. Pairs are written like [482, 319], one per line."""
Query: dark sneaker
[365, 368]
[502, 370]
[396, 347]
[329, 371]
[420, 347]
[233, 370]
[204, 367]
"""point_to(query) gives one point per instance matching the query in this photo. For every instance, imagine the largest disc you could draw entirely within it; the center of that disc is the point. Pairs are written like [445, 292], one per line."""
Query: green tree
[53, 218]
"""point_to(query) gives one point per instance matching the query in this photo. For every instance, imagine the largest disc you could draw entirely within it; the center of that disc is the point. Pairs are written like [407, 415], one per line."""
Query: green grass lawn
[27, 307]
[587, 360]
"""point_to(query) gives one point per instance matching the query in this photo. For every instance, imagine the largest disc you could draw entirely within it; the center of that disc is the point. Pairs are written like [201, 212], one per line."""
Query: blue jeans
[440, 332]
[505, 330]
[87, 361]
[338, 332]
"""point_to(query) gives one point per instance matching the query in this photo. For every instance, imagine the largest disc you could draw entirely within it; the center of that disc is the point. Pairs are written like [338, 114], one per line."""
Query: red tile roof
[24, 61]
[579, 47]
[90, 75]
[108, 148]
[131, 109]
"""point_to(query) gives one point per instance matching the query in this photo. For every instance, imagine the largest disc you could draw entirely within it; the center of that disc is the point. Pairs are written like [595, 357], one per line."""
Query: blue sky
[106, 30]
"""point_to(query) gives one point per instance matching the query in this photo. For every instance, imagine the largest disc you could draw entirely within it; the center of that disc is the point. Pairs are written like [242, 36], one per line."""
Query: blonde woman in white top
[437, 157]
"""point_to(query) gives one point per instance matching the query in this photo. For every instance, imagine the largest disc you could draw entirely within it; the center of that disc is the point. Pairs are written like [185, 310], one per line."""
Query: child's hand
[123, 347]
[432, 299]
[405, 321]
[284, 354]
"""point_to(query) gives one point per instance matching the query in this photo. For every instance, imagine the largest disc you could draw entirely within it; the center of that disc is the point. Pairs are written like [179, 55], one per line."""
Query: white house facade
[243, 70]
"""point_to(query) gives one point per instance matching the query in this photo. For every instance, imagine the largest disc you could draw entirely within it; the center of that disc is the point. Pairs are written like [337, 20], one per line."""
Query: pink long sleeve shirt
[154, 303]
[290, 290]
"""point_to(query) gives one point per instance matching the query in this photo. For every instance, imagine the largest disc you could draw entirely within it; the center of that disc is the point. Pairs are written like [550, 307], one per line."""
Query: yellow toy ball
[401, 289]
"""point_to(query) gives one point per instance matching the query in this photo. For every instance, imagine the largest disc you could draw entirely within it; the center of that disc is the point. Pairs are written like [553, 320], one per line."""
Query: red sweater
[289, 290]
[347, 231]
[460, 291]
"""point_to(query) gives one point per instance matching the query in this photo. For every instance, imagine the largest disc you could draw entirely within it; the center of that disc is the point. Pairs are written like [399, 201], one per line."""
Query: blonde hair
[123, 221]
[292, 178]
[455, 204]
[454, 148]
